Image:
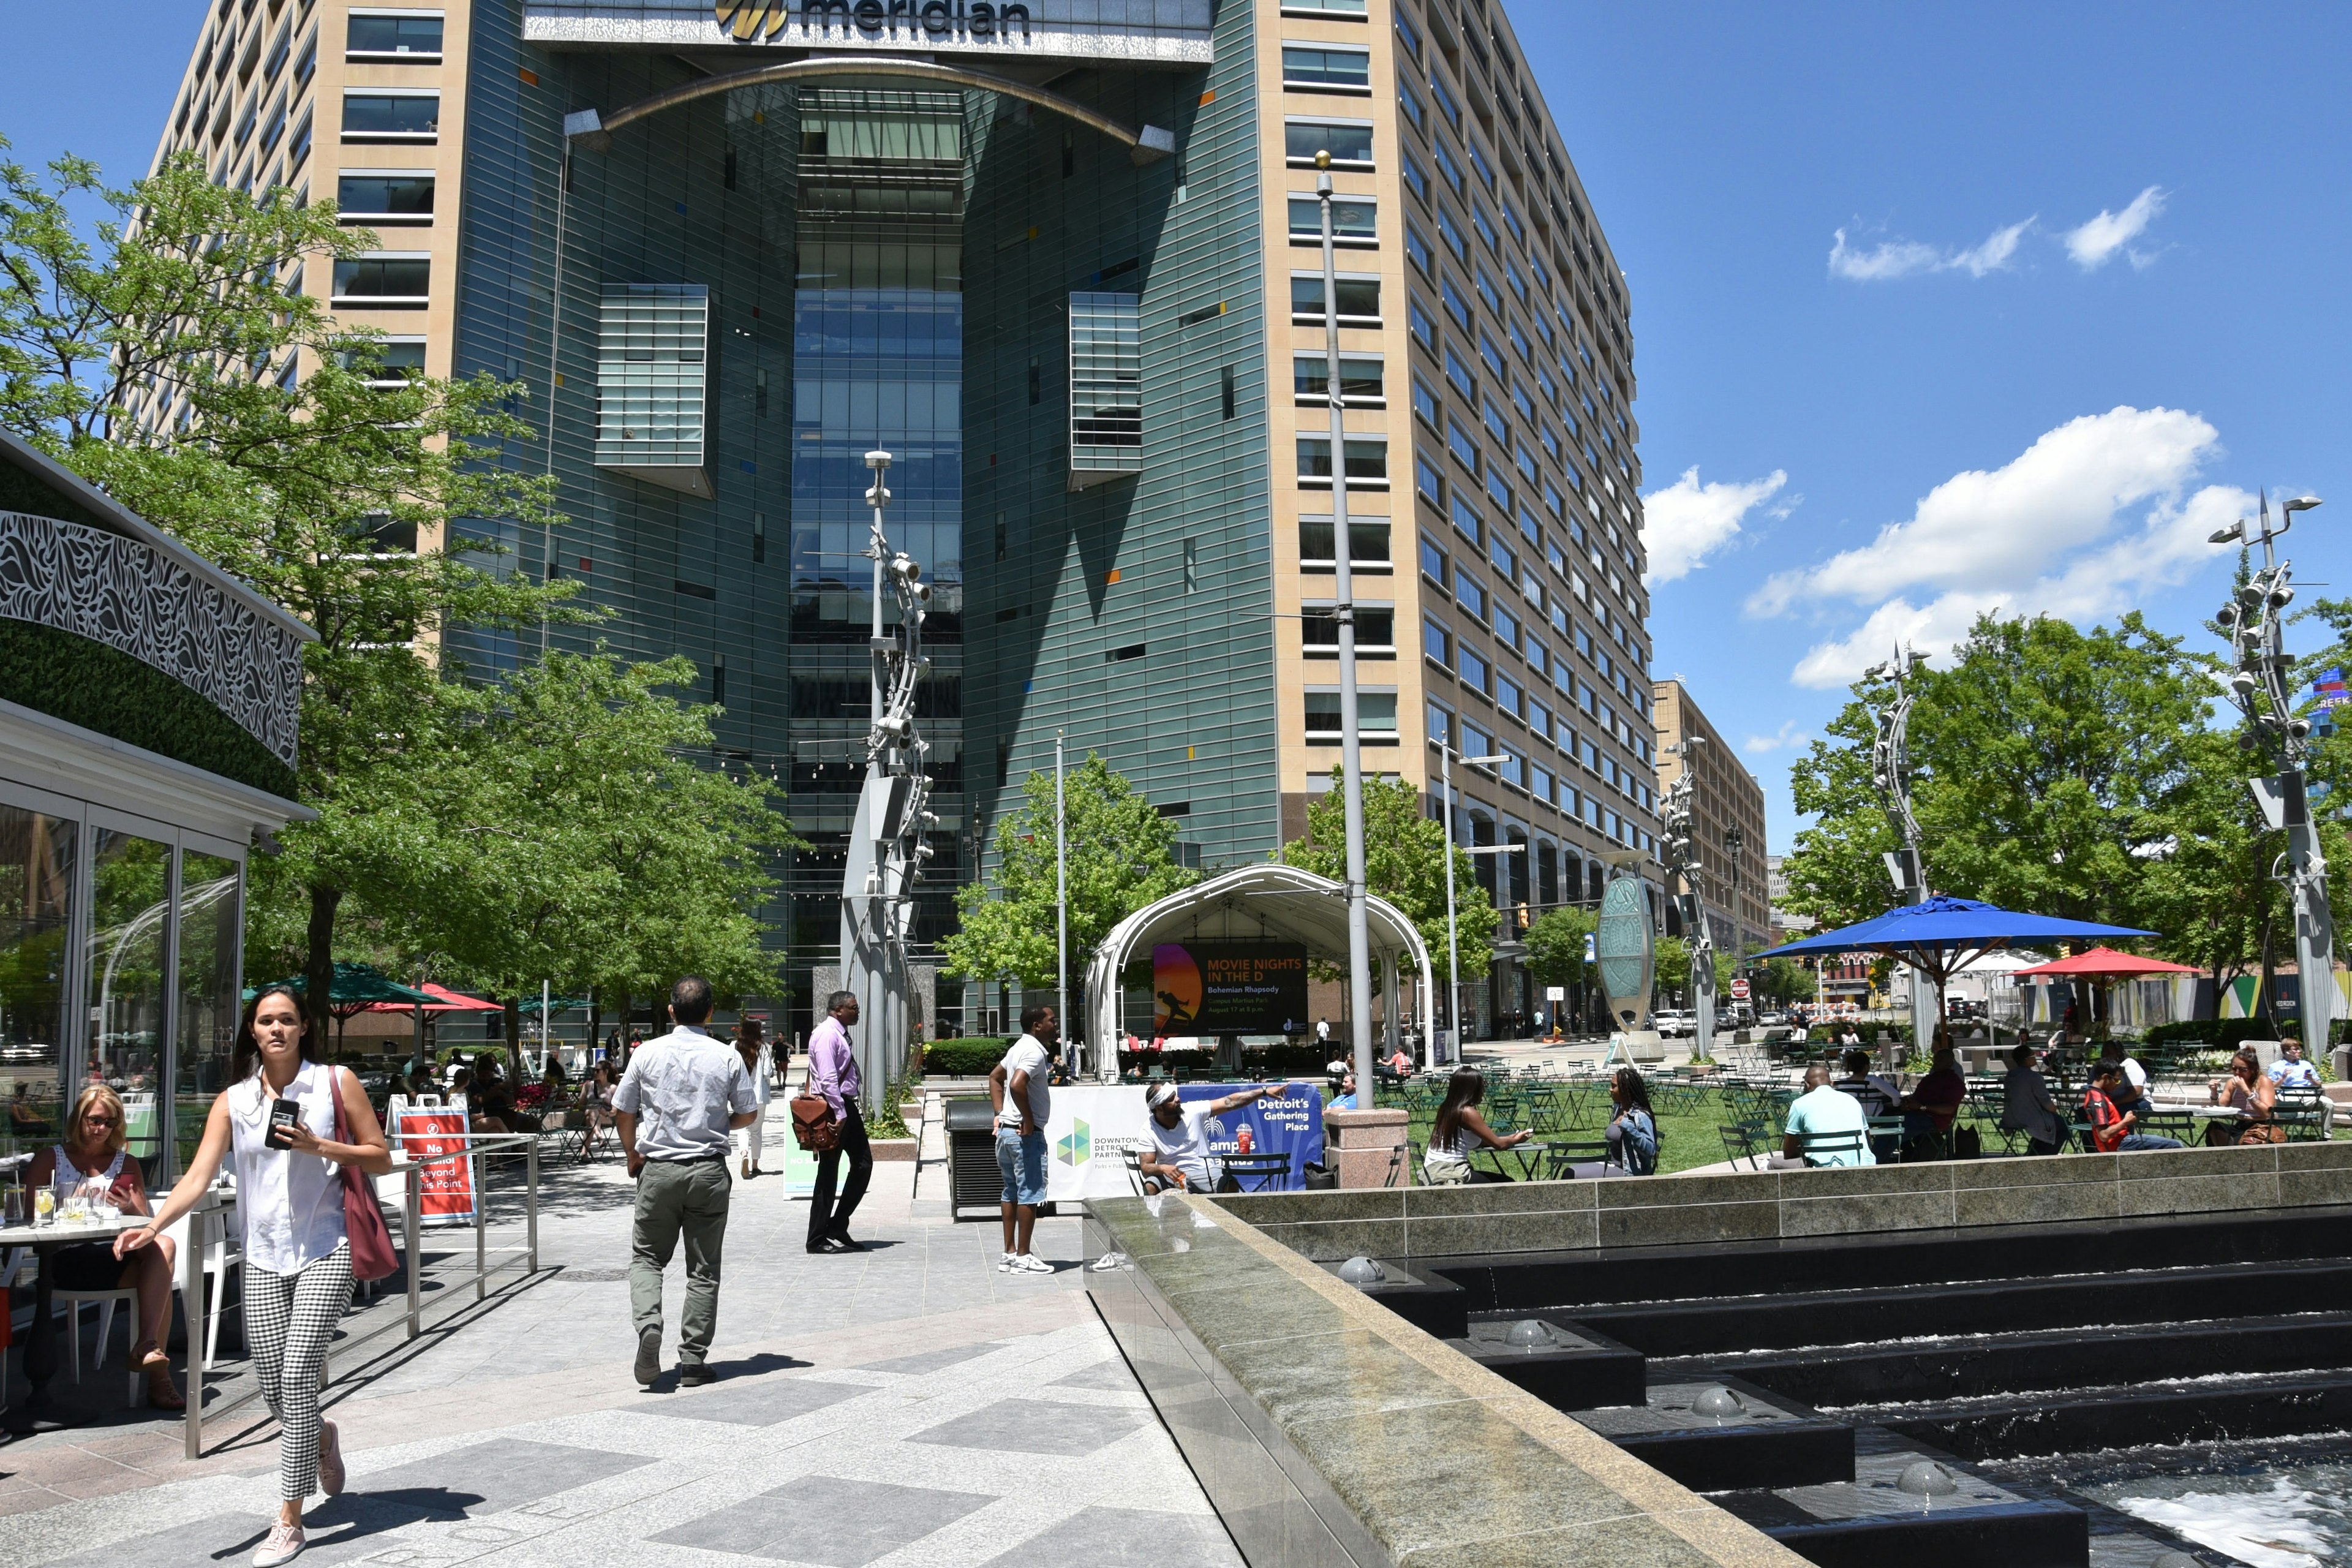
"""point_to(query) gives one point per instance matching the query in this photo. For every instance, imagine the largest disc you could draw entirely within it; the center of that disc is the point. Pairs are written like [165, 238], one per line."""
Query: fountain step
[1975, 1365]
[1760, 1441]
[1568, 1368]
[1881, 1315]
[1521, 1282]
[2223, 1407]
[1872, 1519]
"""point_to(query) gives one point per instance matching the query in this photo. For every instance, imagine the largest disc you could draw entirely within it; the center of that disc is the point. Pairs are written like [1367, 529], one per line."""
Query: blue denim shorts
[1023, 1163]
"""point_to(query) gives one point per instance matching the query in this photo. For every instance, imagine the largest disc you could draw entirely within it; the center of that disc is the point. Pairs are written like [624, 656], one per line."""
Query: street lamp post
[1352, 762]
[2254, 620]
[1446, 755]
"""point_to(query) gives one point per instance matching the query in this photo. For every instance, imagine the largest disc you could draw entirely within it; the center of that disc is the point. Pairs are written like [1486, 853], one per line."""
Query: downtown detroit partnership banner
[1091, 1126]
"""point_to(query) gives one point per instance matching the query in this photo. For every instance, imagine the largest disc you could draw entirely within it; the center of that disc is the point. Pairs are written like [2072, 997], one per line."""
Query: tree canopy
[1121, 856]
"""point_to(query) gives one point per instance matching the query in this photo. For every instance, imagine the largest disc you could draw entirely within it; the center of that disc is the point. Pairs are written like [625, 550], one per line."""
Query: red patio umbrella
[445, 1001]
[2099, 963]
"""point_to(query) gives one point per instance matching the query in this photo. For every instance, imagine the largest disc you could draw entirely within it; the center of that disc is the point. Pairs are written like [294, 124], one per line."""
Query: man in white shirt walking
[1018, 1087]
[681, 1097]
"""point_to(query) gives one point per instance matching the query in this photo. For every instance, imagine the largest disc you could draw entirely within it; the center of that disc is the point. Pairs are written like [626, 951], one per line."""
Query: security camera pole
[887, 844]
[2255, 620]
[1352, 762]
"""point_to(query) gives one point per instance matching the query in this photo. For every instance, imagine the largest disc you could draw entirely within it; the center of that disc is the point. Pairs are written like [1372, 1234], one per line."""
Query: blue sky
[2090, 289]
[2110, 388]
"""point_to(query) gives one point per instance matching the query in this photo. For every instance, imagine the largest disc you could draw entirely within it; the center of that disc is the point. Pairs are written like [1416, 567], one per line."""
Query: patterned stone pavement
[908, 1406]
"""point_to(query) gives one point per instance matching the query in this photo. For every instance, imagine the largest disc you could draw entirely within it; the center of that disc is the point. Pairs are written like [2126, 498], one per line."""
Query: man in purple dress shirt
[833, 1073]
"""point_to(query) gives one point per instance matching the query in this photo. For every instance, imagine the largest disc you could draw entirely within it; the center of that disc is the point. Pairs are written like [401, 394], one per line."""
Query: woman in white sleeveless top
[297, 1259]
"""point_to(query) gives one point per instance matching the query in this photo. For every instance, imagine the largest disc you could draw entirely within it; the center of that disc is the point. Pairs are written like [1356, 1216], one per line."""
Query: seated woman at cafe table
[2249, 1093]
[1459, 1129]
[1929, 1109]
[94, 1151]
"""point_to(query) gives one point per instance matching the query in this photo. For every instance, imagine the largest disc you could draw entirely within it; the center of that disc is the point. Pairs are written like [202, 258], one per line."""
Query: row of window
[1493, 610]
[1528, 773]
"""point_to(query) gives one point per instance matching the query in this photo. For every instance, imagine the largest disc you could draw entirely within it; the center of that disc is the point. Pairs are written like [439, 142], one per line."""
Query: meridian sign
[1179, 33]
[932, 20]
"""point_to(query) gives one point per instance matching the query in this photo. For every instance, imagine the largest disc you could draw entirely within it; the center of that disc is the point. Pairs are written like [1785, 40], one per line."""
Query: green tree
[1554, 941]
[155, 361]
[1404, 862]
[2049, 766]
[1120, 855]
[1783, 979]
[1673, 970]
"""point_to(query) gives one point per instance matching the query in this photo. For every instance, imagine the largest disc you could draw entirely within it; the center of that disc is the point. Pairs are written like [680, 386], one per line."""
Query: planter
[910, 1111]
[900, 1150]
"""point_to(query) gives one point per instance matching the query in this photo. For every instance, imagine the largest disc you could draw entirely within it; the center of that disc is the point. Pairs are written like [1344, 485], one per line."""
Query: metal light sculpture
[1682, 858]
[887, 844]
[1890, 771]
[2254, 620]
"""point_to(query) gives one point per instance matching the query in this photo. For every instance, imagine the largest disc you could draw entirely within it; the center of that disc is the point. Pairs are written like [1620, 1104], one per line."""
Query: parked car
[1670, 1023]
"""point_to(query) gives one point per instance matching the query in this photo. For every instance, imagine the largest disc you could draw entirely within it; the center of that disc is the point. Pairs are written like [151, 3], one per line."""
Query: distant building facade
[1727, 811]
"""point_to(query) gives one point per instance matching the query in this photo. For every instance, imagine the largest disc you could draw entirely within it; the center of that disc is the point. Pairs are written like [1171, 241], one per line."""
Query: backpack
[1639, 1142]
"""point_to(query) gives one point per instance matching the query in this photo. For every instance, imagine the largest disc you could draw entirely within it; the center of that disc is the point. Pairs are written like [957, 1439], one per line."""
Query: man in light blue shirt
[1822, 1110]
[2290, 1071]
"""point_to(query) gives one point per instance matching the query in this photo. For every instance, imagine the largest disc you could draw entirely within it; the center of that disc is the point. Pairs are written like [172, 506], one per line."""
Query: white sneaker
[283, 1542]
[1030, 1263]
[1004, 1264]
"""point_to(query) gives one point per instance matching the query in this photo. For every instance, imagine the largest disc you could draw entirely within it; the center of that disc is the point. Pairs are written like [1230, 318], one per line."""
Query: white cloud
[1902, 258]
[1687, 521]
[2048, 533]
[1786, 737]
[2095, 243]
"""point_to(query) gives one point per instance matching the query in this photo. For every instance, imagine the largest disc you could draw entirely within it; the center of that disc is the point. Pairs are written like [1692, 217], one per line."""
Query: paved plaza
[907, 1405]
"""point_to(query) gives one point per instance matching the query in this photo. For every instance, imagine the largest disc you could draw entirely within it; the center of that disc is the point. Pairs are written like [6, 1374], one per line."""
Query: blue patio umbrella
[1943, 936]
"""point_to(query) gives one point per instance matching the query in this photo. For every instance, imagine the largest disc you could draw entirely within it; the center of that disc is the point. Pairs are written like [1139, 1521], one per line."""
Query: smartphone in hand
[284, 1116]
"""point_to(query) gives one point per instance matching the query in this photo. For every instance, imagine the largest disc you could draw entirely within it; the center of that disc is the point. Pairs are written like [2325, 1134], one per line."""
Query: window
[1507, 566]
[1352, 221]
[1416, 249]
[1527, 466]
[1456, 305]
[1326, 68]
[1448, 166]
[298, 146]
[1418, 321]
[1415, 179]
[1427, 480]
[1507, 695]
[1359, 377]
[1539, 718]
[1440, 723]
[1474, 672]
[1347, 140]
[384, 198]
[1342, 8]
[1478, 162]
[1227, 399]
[1451, 233]
[1553, 499]
[391, 282]
[1463, 444]
[1490, 353]
[1368, 542]
[1424, 402]
[1519, 341]
[1485, 225]
[1550, 439]
[1436, 641]
[1446, 104]
[1470, 596]
[1359, 298]
[382, 34]
[1375, 712]
[1368, 461]
[391, 117]
[1496, 426]
[1465, 520]
[1407, 34]
[1375, 628]
[1105, 387]
[1407, 99]
[306, 62]
[1518, 285]
[1460, 376]
[399, 360]
[1540, 783]
[652, 383]
[1519, 230]
[1432, 561]
[1486, 291]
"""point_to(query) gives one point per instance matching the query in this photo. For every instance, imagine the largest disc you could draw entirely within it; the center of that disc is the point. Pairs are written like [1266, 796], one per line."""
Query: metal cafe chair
[1256, 1172]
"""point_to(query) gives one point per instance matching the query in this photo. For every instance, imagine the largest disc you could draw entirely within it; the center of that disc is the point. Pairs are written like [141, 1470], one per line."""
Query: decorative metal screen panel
[653, 375]
[134, 597]
[1106, 388]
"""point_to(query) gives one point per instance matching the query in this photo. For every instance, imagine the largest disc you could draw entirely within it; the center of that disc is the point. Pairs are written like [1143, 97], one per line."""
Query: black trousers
[827, 1218]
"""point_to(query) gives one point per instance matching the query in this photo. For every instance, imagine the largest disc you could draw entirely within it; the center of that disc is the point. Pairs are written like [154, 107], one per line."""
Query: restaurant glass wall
[211, 908]
[130, 908]
[37, 879]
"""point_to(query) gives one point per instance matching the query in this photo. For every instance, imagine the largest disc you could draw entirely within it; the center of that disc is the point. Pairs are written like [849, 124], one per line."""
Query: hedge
[964, 1058]
[103, 689]
[2222, 1034]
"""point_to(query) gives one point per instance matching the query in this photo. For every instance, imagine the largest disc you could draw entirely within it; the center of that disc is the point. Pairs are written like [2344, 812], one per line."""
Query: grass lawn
[1689, 1126]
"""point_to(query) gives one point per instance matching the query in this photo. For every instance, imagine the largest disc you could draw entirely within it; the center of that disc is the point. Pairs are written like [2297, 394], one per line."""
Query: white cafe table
[40, 1344]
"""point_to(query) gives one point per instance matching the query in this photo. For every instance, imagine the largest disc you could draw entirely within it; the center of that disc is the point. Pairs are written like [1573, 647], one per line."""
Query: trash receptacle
[974, 1180]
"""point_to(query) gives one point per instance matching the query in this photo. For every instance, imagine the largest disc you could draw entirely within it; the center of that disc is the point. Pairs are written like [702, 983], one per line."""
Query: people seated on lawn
[2249, 1091]
[2112, 1129]
[1459, 1129]
[2027, 1105]
[1633, 1128]
[1827, 1126]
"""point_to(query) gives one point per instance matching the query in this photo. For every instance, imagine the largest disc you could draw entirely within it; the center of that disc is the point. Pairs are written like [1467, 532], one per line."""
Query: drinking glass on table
[44, 1206]
[12, 1206]
[73, 1202]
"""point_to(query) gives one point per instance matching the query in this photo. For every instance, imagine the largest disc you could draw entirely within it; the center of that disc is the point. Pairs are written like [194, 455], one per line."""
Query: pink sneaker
[331, 1460]
[284, 1542]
